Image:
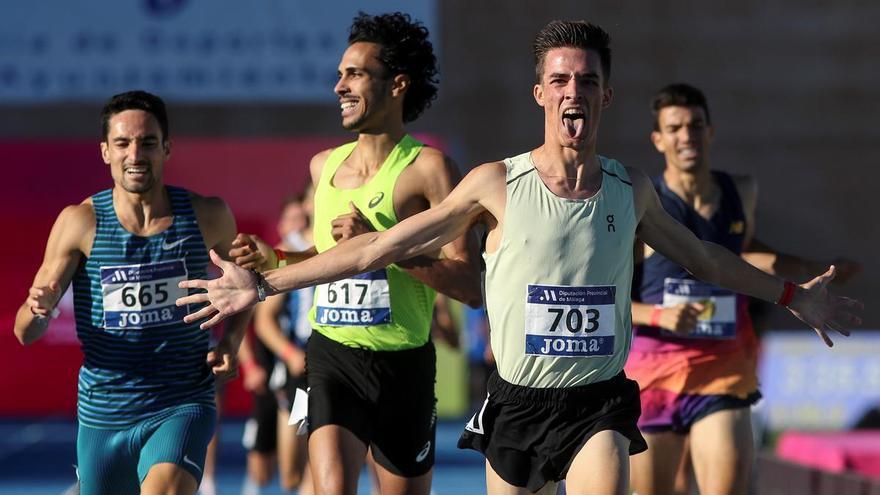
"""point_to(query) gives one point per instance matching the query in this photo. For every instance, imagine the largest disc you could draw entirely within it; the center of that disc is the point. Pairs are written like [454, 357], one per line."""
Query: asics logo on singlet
[424, 452]
[376, 199]
[171, 245]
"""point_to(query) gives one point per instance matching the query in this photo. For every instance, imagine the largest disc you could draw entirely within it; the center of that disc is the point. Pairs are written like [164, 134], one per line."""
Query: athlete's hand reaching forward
[253, 253]
[351, 224]
[681, 318]
[232, 293]
[823, 311]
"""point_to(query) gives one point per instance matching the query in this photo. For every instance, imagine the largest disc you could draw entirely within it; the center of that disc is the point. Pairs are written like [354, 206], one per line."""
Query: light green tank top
[383, 310]
[558, 287]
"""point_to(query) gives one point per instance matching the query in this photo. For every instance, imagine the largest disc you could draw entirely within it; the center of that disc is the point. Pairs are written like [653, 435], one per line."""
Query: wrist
[247, 365]
[788, 292]
[281, 258]
[656, 313]
[259, 285]
[288, 352]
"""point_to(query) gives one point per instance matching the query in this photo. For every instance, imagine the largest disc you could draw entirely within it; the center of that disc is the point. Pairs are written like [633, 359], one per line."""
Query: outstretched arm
[707, 261]
[422, 233]
[64, 250]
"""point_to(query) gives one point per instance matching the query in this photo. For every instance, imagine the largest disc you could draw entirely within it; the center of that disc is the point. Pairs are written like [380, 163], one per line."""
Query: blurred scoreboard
[806, 385]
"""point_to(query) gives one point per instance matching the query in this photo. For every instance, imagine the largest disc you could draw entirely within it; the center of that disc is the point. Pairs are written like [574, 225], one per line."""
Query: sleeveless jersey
[383, 310]
[558, 287]
[139, 356]
[719, 356]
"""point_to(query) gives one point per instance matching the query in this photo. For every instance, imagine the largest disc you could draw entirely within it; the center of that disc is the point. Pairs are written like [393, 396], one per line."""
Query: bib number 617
[575, 319]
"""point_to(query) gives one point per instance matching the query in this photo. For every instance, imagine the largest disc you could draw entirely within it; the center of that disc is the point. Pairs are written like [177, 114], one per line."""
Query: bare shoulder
[488, 180]
[209, 207]
[433, 165]
[316, 164]
[80, 217]
[643, 190]
[215, 220]
[74, 229]
[639, 179]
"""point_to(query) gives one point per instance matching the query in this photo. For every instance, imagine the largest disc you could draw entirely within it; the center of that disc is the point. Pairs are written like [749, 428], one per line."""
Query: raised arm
[457, 272]
[70, 238]
[423, 233]
[707, 261]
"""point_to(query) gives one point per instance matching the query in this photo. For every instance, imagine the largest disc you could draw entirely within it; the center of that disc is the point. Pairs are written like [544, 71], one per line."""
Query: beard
[139, 187]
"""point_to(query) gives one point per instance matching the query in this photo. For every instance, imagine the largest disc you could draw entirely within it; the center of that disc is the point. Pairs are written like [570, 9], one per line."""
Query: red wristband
[288, 351]
[656, 312]
[247, 366]
[280, 258]
[787, 294]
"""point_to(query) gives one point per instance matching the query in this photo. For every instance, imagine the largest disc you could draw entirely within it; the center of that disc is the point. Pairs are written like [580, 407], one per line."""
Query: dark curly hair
[134, 100]
[405, 50]
[678, 95]
[573, 34]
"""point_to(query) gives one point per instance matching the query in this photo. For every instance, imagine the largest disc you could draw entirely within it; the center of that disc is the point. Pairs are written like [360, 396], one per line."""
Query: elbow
[24, 338]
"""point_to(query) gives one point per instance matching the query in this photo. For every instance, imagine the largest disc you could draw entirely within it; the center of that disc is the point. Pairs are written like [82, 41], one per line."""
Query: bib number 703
[575, 319]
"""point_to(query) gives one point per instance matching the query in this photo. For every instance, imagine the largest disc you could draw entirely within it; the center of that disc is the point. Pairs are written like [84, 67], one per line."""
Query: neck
[576, 170]
[137, 211]
[694, 187]
[374, 147]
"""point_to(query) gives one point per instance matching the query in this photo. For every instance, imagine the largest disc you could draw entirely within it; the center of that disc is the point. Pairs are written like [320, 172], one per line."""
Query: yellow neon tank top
[558, 287]
[383, 310]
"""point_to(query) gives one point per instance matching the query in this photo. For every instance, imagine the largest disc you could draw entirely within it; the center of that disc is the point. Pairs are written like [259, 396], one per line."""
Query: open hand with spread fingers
[232, 293]
[825, 312]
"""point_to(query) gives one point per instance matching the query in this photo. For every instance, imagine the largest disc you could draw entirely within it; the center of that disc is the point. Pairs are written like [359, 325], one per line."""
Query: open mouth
[137, 172]
[573, 120]
[347, 107]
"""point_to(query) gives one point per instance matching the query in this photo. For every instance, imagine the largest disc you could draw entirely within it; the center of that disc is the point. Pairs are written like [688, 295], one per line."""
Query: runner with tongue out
[561, 222]
[695, 352]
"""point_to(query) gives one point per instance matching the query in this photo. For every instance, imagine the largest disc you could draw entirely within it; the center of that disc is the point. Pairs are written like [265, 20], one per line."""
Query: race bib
[362, 300]
[570, 321]
[142, 296]
[718, 320]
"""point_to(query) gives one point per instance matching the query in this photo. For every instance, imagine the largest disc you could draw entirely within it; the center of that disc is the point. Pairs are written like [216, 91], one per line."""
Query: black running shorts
[530, 436]
[386, 398]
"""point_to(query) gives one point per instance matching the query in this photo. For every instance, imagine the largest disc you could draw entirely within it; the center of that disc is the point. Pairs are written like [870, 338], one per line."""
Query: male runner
[561, 220]
[282, 325]
[146, 393]
[695, 352]
[371, 365]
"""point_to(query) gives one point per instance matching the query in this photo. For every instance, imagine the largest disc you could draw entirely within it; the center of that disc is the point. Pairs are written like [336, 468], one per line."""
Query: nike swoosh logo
[191, 463]
[424, 452]
[171, 245]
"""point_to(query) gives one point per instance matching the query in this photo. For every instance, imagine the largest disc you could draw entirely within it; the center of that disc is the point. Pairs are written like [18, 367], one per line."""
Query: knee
[291, 481]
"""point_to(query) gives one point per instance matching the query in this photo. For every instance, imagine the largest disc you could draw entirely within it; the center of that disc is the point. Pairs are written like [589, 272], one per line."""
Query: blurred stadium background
[793, 86]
